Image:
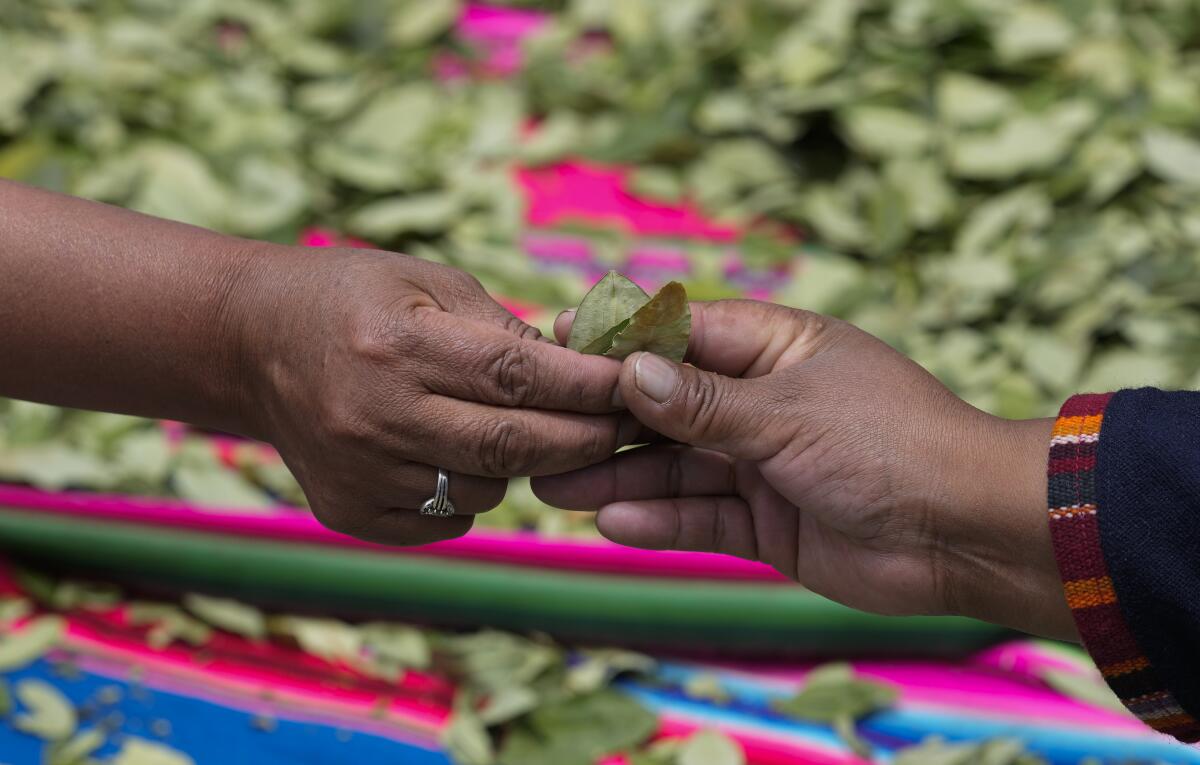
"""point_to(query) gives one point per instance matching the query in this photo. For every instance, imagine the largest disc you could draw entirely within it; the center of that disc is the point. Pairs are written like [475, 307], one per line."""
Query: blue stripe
[212, 733]
[896, 728]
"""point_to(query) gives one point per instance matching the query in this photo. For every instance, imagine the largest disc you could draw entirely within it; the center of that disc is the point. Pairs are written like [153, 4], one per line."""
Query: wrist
[998, 552]
[250, 319]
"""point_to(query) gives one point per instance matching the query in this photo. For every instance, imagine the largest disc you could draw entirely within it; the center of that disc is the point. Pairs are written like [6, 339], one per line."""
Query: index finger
[476, 361]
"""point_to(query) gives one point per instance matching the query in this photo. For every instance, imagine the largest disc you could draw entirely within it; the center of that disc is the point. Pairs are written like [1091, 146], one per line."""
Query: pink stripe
[181, 665]
[178, 670]
[955, 688]
[488, 23]
[597, 195]
[205, 691]
[487, 546]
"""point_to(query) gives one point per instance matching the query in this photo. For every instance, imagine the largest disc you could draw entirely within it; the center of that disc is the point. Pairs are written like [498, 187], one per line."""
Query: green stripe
[746, 617]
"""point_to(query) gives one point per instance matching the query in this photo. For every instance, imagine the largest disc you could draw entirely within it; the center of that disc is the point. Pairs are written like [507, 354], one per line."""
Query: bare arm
[368, 370]
[103, 308]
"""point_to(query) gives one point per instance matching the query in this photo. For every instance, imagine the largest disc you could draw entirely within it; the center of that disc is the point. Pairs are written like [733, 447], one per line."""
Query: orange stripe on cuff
[1078, 426]
[1124, 667]
[1084, 593]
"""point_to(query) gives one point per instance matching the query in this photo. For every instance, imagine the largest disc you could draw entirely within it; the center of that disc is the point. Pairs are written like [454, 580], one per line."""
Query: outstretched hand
[370, 370]
[812, 446]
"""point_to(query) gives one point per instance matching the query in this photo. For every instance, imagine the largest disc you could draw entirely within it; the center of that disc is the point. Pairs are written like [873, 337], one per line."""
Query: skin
[800, 441]
[365, 369]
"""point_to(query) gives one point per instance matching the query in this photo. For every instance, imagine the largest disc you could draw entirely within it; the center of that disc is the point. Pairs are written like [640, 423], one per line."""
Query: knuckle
[462, 284]
[515, 326]
[719, 529]
[346, 422]
[506, 449]
[378, 336]
[674, 474]
[701, 404]
[514, 375]
[601, 442]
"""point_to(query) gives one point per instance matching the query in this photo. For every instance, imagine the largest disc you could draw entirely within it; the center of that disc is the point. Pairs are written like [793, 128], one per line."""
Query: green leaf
[395, 122]
[179, 184]
[968, 101]
[397, 645]
[710, 747]
[12, 610]
[1032, 29]
[54, 466]
[1023, 144]
[466, 739]
[832, 692]
[138, 751]
[935, 751]
[560, 134]
[329, 639]
[1126, 368]
[612, 301]
[578, 731]
[418, 21]
[1089, 688]
[657, 183]
[707, 687]
[77, 749]
[598, 667]
[217, 486]
[885, 132]
[48, 714]
[19, 648]
[1172, 156]
[663, 326]
[508, 703]
[392, 216]
[228, 615]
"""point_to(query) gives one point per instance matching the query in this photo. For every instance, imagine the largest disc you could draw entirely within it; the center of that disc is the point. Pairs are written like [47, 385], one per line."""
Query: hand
[816, 448]
[369, 370]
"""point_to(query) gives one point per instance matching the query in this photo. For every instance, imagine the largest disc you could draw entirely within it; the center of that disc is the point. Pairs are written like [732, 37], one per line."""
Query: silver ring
[440, 505]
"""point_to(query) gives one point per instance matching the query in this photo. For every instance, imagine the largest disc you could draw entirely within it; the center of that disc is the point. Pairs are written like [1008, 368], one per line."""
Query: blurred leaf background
[1007, 190]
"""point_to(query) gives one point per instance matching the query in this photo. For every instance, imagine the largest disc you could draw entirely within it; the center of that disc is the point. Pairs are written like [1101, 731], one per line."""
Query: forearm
[103, 308]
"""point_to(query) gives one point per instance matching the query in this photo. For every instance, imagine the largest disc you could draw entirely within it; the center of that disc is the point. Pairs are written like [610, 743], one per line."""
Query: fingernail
[655, 376]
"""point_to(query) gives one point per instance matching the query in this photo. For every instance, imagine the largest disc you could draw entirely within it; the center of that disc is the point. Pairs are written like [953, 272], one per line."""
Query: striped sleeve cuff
[1075, 531]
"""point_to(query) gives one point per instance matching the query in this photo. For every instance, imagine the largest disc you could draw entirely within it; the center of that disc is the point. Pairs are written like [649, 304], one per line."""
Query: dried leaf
[22, 647]
[711, 747]
[466, 739]
[1172, 156]
[578, 731]
[1088, 688]
[663, 326]
[832, 692]
[228, 615]
[48, 714]
[77, 749]
[603, 313]
[138, 751]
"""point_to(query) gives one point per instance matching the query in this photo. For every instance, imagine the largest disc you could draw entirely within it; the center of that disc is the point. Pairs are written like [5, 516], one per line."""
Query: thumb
[701, 408]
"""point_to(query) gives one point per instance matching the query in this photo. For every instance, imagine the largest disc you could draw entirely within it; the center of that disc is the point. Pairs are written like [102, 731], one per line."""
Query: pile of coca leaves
[519, 700]
[1007, 190]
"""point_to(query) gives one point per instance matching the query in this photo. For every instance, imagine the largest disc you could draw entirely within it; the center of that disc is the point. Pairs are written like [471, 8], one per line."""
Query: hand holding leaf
[617, 318]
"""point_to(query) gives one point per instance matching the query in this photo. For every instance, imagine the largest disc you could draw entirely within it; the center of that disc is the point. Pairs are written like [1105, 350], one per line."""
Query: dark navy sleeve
[1124, 497]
